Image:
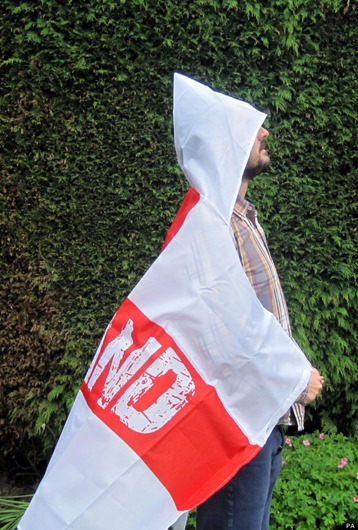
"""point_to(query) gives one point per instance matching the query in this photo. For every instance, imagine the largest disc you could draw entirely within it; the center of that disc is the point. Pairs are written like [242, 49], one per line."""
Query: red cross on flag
[192, 374]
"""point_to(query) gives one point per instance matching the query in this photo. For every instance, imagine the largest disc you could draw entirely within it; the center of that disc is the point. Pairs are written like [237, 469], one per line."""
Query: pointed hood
[213, 134]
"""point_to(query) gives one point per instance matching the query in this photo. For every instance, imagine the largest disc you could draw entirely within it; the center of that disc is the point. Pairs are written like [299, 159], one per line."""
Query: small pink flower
[357, 476]
[306, 442]
[284, 462]
[288, 442]
[342, 463]
[355, 498]
[321, 436]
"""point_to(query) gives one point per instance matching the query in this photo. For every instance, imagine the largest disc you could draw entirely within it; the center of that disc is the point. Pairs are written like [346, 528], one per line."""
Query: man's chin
[265, 158]
[265, 162]
[261, 167]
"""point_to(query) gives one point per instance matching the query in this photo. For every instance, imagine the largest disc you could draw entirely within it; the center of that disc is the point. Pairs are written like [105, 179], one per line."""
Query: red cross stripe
[142, 386]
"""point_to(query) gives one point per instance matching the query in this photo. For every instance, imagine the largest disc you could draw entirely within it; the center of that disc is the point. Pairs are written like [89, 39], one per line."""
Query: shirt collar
[244, 208]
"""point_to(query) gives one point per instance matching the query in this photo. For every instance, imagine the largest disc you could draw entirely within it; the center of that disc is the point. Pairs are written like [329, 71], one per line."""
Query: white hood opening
[214, 135]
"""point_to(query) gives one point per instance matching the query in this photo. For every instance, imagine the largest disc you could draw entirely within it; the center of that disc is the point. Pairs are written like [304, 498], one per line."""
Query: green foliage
[11, 511]
[317, 487]
[191, 522]
[90, 184]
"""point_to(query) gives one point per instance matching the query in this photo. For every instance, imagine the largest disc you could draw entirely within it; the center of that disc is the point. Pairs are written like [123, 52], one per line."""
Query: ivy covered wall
[90, 183]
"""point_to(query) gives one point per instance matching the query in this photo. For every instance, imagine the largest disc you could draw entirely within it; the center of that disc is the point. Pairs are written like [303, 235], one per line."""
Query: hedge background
[90, 183]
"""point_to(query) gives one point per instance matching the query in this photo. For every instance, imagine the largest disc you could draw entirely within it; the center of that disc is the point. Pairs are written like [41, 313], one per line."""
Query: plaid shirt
[260, 269]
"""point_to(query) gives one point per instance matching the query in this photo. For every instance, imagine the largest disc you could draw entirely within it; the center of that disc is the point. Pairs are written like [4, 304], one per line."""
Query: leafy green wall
[90, 183]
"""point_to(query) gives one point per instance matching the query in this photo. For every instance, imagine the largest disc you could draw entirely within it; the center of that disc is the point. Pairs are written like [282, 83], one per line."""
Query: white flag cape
[192, 373]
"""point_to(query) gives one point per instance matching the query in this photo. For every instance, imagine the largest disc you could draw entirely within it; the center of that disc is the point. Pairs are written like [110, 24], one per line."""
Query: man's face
[259, 159]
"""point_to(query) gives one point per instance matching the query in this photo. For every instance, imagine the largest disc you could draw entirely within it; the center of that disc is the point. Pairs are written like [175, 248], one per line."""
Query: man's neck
[243, 188]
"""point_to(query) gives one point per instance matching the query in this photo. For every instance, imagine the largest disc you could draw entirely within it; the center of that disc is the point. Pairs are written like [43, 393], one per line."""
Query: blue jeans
[244, 502]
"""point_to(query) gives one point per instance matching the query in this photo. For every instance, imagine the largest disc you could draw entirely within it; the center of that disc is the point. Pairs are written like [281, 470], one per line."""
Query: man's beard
[260, 167]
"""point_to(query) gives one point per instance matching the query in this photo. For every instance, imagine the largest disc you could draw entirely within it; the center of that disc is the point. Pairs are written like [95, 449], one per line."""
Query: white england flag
[192, 373]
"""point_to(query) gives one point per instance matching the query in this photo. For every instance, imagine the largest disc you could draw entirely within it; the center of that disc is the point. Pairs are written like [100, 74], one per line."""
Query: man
[244, 502]
[170, 409]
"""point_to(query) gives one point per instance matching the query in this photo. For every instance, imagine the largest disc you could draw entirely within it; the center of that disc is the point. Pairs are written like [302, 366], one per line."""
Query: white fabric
[197, 291]
[180, 524]
[214, 135]
[95, 481]
[241, 349]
